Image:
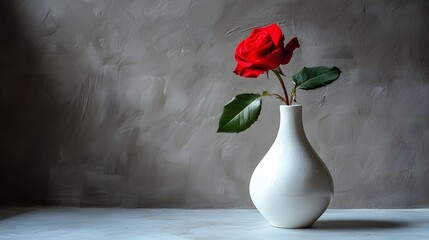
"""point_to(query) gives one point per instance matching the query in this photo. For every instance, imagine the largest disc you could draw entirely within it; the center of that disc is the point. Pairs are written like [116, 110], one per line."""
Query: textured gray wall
[116, 103]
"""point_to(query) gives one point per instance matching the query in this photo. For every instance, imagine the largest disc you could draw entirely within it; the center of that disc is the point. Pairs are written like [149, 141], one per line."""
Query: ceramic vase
[291, 186]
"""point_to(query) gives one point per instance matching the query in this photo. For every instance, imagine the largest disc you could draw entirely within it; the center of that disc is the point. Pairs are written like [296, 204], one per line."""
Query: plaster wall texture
[116, 103]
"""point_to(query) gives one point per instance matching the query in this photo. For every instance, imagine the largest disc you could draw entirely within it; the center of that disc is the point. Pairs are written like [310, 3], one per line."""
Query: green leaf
[315, 77]
[240, 113]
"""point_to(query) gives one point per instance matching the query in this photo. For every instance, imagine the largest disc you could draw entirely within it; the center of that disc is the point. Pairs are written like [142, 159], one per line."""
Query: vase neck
[291, 119]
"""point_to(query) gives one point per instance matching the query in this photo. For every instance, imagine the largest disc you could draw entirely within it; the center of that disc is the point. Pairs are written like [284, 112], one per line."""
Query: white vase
[291, 186]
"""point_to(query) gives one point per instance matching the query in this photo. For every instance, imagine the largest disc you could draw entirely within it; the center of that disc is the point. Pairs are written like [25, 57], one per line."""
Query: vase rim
[291, 106]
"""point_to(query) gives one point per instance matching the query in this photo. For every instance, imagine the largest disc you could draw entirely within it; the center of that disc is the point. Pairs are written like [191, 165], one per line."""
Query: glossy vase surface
[291, 186]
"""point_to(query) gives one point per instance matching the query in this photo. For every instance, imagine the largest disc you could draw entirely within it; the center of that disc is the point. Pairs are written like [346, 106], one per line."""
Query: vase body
[291, 186]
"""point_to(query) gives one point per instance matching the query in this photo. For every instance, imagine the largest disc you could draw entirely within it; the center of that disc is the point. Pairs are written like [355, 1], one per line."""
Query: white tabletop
[117, 223]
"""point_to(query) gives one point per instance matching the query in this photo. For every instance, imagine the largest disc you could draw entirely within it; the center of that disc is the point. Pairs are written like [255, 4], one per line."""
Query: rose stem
[292, 95]
[277, 96]
[283, 86]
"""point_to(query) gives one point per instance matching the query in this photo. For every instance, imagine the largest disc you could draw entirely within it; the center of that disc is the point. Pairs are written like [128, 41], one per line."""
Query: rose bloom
[262, 51]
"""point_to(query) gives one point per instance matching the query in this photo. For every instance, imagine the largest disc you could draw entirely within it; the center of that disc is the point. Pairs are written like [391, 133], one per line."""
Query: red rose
[262, 51]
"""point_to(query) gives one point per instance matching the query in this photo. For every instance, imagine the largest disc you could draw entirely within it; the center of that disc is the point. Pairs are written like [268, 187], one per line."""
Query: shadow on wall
[27, 109]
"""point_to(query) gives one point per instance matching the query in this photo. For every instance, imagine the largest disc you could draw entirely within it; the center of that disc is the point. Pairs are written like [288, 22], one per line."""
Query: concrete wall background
[116, 103]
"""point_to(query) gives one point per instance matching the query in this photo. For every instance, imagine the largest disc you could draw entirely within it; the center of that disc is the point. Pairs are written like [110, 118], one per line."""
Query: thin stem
[275, 95]
[283, 86]
[292, 95]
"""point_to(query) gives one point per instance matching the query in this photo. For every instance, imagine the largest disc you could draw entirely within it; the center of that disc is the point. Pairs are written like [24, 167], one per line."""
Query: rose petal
[270, 61]
[260, 52]
[260, 38]
[261, 65]
[239, 51]
[248, 72]
[252, 44]
[254, 32]
[288, 50]
[242, 61]
[275, 33]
